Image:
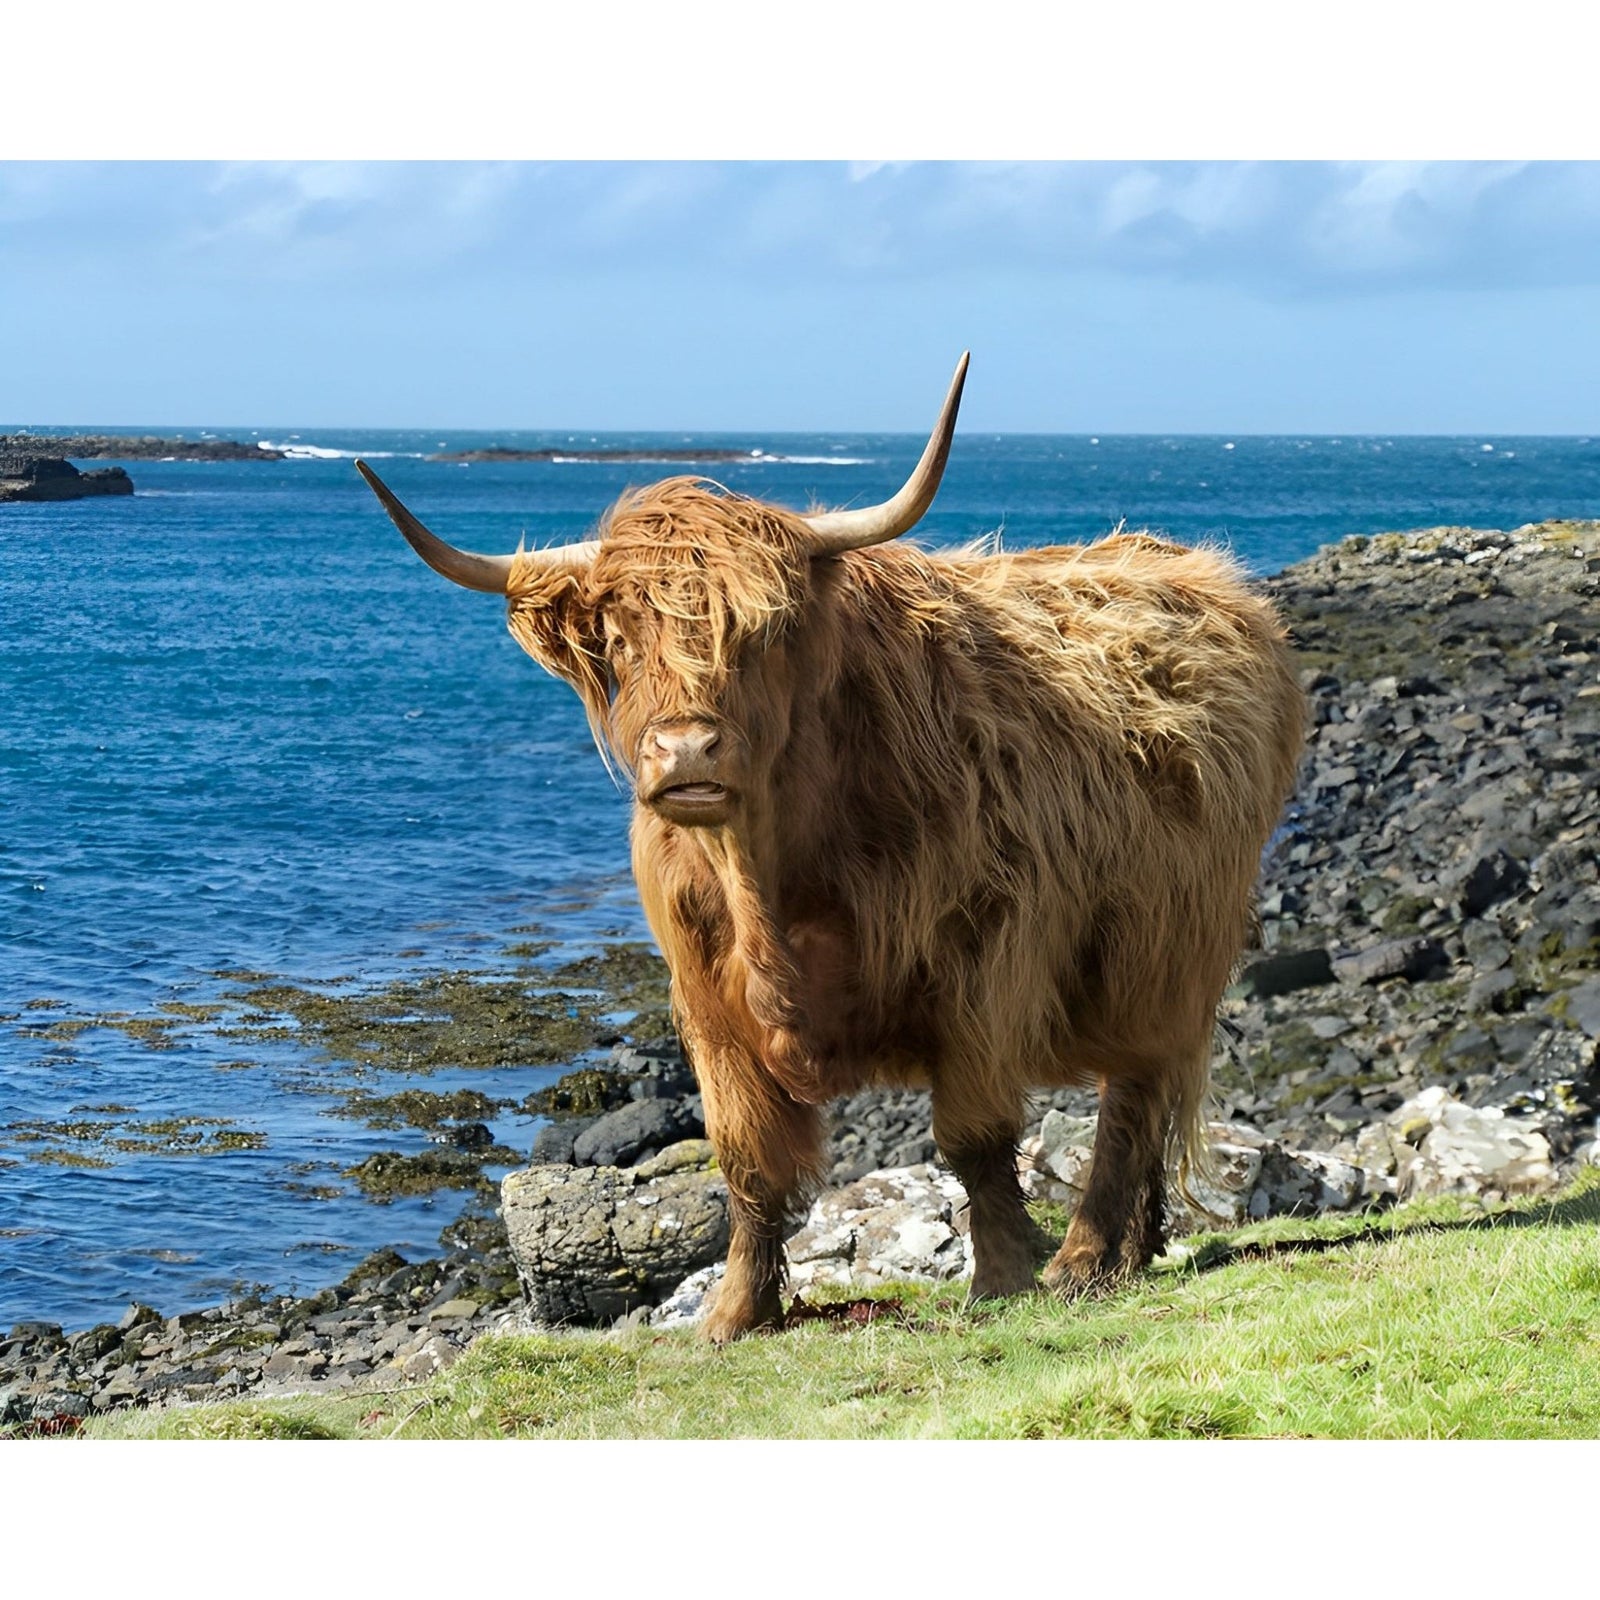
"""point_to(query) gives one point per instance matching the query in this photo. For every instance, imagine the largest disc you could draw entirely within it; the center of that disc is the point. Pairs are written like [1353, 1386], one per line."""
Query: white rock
[687, 1303]
[1477, 1150]
[1054, 1165]
[1375, 1149]
[906, 1223]
[1429, 1103]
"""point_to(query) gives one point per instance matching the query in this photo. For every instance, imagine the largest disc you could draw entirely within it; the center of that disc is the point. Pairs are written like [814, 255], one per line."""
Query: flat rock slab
[1413, 959]
[1286, 971]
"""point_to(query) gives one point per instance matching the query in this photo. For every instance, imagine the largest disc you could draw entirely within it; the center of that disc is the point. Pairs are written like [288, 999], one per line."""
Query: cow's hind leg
[1006, 1246]
[1120, 1227]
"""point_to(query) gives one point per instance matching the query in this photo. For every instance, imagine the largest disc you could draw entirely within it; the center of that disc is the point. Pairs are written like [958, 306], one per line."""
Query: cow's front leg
[750, 1296]
[770, 1150]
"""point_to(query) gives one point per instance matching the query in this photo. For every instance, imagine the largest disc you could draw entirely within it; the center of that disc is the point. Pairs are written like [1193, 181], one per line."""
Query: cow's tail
[1189, 1156]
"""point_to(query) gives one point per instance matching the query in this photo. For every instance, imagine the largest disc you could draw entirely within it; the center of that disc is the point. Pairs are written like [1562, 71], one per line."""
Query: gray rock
[913, 1152]
[638, 1129]
[1218, 1196]
[431, 1357]
[1493, 877]
[1561, 1053]
[592, 1243]
[37, 1333]
[1054, 1164]
[554, 1141]
[1487, 987]
[464, 1136]
[1327, 1027]
[34, 477]
[1246, 1176]
[1568, 865]
[689, 1301]
[1285, 971]
[1415, 959]
[1304, 1182]
[1583, 1007]
[1486, 947]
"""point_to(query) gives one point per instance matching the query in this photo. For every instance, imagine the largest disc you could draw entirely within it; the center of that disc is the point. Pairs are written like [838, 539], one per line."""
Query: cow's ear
[554, 618]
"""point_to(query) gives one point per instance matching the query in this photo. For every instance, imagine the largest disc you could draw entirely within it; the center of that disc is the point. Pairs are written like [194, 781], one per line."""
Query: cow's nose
[682, 742]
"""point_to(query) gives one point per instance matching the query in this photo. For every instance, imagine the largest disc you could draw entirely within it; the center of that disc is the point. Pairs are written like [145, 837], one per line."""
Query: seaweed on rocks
[420, 1108]
[389, 1173]
[446, 1019]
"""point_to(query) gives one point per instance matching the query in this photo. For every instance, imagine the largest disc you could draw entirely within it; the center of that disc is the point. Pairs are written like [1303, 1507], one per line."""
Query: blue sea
[243, 728]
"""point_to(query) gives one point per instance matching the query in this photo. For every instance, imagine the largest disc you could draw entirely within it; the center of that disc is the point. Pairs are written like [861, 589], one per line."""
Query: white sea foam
[756, 458]
[817, 461]
[318, 452]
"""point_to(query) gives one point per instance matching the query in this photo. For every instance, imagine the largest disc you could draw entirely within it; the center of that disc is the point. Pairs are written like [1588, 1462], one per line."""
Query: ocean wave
[320, 452]
[818, 461]
[756, 458]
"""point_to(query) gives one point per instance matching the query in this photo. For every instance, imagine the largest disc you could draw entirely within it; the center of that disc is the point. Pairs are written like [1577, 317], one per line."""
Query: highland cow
[973, 820]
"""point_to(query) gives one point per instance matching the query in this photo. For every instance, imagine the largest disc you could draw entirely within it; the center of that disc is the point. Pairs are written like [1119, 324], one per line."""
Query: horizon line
[230, 431]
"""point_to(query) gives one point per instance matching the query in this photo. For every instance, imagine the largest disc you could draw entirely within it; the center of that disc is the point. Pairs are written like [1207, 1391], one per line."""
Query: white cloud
[1283, 229]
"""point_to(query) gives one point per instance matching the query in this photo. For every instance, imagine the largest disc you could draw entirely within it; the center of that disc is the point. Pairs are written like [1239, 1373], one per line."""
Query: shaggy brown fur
[996, 824]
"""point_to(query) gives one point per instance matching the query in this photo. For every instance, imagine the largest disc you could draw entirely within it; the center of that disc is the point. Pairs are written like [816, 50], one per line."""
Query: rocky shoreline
[52, 478]
[1422, 1016]
[132, 447]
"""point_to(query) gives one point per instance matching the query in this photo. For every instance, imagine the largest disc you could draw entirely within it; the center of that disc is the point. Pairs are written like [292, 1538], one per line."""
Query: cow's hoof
[1002, 1282]
[733, 1316]
[1084, 1275]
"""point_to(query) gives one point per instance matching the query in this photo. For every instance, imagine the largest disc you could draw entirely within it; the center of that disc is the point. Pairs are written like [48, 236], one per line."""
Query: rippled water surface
[243, 729]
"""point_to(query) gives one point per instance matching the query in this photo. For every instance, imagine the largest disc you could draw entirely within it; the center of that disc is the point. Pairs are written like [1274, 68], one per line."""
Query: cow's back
[1052, 775]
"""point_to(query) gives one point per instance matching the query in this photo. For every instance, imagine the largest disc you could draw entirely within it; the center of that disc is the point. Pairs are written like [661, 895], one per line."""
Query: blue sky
[1133, 296]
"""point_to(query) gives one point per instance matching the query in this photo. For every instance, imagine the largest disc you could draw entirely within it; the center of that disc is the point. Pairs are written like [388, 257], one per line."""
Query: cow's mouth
[702, 802]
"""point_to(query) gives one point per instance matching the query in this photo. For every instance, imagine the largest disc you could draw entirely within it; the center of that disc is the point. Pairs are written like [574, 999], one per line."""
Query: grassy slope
[1441, 1320]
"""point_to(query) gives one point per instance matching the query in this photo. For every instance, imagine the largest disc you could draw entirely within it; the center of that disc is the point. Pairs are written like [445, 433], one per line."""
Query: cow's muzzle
[683, 773]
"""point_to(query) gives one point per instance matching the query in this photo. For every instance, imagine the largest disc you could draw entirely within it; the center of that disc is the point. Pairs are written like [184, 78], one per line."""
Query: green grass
[1438, 1320]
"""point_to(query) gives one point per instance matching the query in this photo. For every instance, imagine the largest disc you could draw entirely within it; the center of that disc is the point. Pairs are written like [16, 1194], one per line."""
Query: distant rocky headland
[662, 453]
[51, 478]
[132, 447]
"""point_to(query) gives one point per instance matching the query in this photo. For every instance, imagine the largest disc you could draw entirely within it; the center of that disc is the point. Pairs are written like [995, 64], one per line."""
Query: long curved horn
[488, 574]
[852, 530]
